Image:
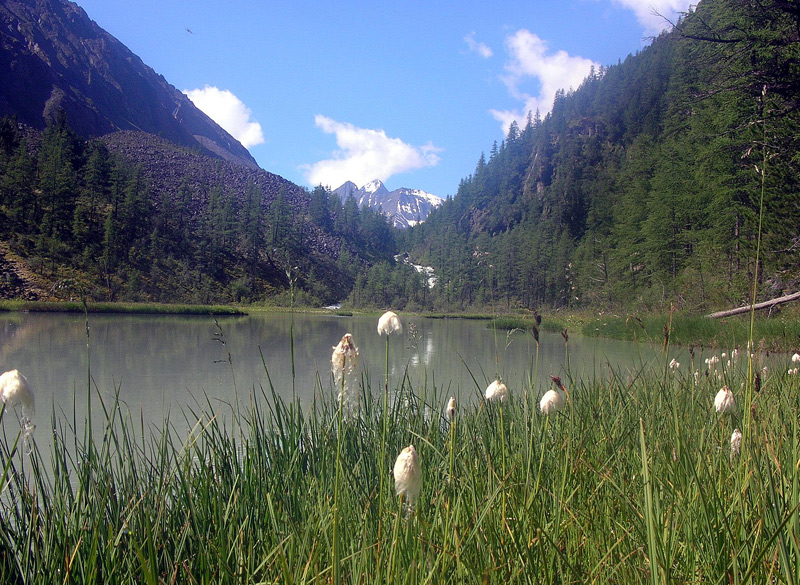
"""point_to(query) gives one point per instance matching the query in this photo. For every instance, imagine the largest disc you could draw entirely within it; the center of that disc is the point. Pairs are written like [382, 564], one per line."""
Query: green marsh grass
[121, 307]
[777, 333]
[770, 333]
[632, 482]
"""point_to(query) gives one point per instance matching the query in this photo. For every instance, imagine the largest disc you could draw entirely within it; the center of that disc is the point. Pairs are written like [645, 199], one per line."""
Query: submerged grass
[633, 482]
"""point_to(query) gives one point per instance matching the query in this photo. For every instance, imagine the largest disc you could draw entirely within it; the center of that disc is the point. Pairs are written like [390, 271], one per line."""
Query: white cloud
[481, 49]
[653, 15]
[530, 60]
[228, 111]
[364, 154]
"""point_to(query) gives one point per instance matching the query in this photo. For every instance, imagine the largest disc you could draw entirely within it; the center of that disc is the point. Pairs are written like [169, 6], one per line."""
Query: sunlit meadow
[636, 477]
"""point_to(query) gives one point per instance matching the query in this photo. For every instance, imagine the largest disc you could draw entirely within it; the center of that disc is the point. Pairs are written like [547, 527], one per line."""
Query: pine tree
[253, 223]
[319, 208]
[58, 179]
[17, 189]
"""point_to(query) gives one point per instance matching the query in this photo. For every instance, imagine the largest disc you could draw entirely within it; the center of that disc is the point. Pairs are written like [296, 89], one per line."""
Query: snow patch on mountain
[427, 271]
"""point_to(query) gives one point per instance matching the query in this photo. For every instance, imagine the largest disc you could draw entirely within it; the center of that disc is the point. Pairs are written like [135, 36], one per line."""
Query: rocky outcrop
[17, 281]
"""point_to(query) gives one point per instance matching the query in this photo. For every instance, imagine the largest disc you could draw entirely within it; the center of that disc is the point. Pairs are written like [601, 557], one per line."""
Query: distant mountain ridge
[405, 207]
[54, 57]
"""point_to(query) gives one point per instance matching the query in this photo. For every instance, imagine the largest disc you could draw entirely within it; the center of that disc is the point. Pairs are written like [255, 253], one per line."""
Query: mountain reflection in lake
[166, 364]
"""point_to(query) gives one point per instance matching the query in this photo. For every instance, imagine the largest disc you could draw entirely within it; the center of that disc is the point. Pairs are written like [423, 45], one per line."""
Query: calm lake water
[166, 364]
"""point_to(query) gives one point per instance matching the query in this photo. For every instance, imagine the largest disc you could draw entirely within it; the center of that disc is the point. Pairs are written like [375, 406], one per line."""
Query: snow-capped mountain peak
[405, 207]
[375, 187]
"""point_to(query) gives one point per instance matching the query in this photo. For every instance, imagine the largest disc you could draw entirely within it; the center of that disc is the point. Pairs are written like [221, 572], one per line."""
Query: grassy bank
[633, 481]
[103, 307]
[780, 333]
[777, 333]
[771, 334]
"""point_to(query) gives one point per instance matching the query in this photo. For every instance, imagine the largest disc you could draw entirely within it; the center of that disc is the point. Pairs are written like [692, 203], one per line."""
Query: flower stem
[382, 461]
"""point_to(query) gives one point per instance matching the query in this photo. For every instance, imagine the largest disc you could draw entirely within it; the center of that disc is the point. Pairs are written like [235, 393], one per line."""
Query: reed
[632, 482]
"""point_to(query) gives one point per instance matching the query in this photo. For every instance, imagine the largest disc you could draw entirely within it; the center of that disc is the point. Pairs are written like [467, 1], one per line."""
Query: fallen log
[757, 306]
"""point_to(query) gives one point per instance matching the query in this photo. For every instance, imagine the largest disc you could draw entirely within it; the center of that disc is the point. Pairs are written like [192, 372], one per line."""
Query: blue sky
[406, 92]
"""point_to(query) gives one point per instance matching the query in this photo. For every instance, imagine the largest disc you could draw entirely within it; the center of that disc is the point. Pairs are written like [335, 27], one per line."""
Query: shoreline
[123, 308]
[771, 334]
[779, 333]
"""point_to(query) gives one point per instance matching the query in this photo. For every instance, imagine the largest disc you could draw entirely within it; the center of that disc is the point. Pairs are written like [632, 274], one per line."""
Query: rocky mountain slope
[53, 56]
[168, 168]
[144, 219]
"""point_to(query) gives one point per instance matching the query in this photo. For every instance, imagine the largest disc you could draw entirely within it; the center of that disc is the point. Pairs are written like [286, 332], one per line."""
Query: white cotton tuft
[16, 393]
[389, 323]
[407, 474]
[450, 409]
[736, 442]
[344, 365]
[496, 391]
[551, 402]
[723, 401]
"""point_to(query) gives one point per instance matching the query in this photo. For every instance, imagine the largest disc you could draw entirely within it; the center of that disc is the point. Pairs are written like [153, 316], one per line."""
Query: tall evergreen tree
[58, 180]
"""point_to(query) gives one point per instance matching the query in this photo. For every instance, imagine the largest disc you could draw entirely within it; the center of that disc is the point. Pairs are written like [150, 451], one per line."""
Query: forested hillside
[131, 216]
[643, 186]
[670, 178]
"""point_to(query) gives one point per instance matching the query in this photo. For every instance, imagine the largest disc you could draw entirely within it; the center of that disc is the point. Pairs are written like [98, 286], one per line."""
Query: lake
[166, 364]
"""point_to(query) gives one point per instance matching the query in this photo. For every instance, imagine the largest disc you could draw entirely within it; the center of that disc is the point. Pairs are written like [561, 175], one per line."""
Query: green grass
[780, 333]
[632, 482]
[103, 307]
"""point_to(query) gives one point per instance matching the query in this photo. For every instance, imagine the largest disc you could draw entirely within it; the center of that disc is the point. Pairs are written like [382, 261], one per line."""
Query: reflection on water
[166, 364]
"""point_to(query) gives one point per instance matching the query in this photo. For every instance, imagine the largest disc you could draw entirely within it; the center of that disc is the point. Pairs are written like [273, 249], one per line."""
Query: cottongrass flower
[344, 364]
[723, 401]
[450, 409]
[407, 475]
[736, 443]
[712, 361]
[551, 402]
[345, 357]
[674, 364]
[793, 371]
[496, 391]
[796, 358]
[16, 393]
[389, 323]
